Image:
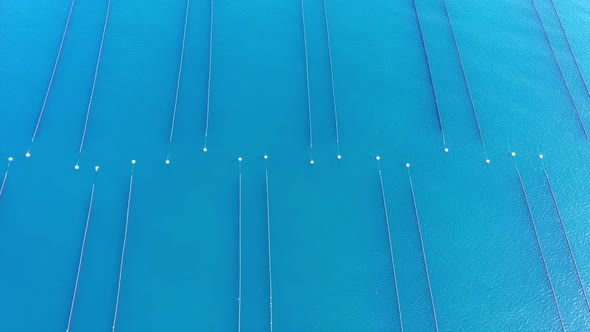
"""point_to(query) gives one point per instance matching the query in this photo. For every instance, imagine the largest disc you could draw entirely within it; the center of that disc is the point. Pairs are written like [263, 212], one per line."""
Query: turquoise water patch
[331, 264]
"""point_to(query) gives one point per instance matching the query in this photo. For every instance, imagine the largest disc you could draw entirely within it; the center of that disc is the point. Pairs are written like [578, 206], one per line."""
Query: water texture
[330, 253]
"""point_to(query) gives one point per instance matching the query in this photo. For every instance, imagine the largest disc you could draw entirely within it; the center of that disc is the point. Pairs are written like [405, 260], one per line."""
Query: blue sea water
[331, 265]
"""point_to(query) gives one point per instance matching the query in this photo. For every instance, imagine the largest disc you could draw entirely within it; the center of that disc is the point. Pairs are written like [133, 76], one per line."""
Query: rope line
[51, 79]
[91, 99]
[431, 80]
[307, 84]
[240, 244]
[188, 2]
[80, 260]
[538, 242]
[569, 45]
[268, 236]
[569, 91]
[10, 159]
[339, 156]
[566, 238]
[209, 78]
[422, 248]
[120, 278]
[473, 108]
[399, 308]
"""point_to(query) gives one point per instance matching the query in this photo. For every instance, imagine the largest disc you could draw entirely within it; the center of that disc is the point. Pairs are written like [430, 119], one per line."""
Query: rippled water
[331, 268]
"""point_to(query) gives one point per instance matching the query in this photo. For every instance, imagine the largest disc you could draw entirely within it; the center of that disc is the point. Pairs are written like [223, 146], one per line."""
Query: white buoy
[28, 154]
[204, 149]
[96, 168]
[239, 158]
[311, 162]
[446, 149]
[513, 154]
[167, 161]
[541, 156]
[265, 156]
[76, 167]
[378, 157]
[10, 159]
[339, 156]
[408, 165]
[488, 161]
